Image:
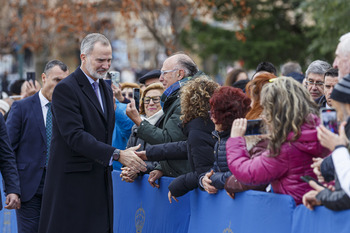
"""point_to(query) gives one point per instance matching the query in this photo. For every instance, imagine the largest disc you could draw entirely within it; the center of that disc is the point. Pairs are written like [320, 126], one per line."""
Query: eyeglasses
[167, 71]
[317, 84]
[148, 99]
[130, 95]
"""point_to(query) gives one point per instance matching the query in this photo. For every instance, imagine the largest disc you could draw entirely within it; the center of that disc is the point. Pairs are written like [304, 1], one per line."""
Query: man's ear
[180, 75]
[43, 78]
[83, 57]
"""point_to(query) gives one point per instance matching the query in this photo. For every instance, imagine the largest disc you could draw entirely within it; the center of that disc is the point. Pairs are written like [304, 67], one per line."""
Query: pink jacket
[283, 171]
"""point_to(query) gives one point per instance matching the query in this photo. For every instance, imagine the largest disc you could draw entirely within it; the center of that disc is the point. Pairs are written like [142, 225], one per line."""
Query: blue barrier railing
[142, 209]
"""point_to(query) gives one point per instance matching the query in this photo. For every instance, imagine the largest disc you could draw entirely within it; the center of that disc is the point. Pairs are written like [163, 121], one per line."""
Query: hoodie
[284, 170]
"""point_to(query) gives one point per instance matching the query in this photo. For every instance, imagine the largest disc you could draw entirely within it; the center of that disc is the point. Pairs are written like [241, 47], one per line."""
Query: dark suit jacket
[7, 163]
[78, 187]
[27, 133]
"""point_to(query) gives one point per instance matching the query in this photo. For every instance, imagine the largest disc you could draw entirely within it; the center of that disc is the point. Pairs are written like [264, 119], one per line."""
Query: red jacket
[282, 171]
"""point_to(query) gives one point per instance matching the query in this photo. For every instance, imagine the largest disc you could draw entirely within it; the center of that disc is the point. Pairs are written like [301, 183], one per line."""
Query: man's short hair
[87, 45]
[186, 63]
[332, 72]
[317, 67]
[266, 66]
[290, 67]
[54, 63]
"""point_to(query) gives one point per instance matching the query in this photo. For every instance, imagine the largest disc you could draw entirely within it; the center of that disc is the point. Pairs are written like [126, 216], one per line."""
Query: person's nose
[106, 65]
[335, 63]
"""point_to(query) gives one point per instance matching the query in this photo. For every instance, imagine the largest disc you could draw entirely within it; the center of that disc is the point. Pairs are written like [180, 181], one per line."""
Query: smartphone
[136, 95]
[307, 179]
[31, 76]
[329, 119]
[108, 81]
[115, 77]
[254, 127]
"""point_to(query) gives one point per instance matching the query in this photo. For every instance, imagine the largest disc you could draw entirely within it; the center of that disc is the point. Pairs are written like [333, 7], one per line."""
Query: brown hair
[253, 90]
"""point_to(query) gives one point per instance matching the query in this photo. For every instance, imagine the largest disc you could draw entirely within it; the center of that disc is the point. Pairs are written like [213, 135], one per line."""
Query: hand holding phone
[307, 179]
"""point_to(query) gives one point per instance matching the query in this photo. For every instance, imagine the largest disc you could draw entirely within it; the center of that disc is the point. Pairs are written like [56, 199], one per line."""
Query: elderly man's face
[170, 74]
[342, 62]
[329, 83]
[314, 84]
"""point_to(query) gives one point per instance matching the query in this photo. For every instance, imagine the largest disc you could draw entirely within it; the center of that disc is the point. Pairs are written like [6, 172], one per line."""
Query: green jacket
[168, 131]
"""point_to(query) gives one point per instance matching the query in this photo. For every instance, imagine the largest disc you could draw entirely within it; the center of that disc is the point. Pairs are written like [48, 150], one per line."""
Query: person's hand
[309, 199]
[239, 126]
[206, 181]
[12, 201]
[331, 140]
[117, 93]
[129, 159]
[317, 168]
[141, 154]
[29, 89]
[128, 175]
[153, 177]
[232, 195]
[171, 196]
[132, 112]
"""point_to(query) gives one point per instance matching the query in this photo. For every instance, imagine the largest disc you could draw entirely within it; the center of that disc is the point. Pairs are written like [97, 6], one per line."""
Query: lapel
[38, 114]
[87, 89]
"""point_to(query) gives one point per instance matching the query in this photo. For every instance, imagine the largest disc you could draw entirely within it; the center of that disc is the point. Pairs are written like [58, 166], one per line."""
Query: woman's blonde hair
[153, 86]
[195, 97]
[286, 107]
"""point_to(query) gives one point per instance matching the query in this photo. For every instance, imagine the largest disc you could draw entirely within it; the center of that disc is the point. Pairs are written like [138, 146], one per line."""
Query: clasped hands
[133, 164]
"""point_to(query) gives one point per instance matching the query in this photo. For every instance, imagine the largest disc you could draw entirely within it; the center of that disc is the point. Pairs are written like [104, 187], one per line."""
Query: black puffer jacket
[221, 170]
[200, 147]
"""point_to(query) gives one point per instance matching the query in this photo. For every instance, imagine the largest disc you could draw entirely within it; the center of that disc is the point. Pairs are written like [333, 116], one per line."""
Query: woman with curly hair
[290, 118]
[197, 126]
[226, 104]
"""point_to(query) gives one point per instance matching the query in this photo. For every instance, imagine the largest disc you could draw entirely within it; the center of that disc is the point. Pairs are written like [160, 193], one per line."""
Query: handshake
[133, 163]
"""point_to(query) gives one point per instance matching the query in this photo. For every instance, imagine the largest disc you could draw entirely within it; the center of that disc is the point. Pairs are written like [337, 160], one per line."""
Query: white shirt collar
[43, 100]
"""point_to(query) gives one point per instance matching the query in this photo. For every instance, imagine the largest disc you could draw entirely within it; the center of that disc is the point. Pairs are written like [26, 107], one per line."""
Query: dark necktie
[48, 131]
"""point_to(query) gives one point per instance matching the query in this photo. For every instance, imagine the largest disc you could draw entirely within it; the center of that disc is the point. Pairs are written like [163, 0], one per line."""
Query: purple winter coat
[282, 171]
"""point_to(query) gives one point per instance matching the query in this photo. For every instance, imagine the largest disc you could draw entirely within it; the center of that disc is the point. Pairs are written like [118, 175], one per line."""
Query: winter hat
[341, 91]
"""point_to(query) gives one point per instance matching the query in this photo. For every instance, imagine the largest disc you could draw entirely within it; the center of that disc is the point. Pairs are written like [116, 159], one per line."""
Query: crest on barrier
[228, 230]
[140, 217]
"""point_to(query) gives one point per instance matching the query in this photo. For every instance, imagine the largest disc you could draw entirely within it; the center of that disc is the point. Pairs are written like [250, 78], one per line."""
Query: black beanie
[341, 91]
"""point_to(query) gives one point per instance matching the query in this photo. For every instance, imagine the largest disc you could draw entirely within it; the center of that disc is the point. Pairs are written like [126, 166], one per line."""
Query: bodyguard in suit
[78, 187]
[8, 170]
[29, 126]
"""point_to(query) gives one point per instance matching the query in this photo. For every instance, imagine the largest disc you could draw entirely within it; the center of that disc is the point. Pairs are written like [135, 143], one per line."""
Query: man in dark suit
[78, 189]
[27, 125]
[8, 170]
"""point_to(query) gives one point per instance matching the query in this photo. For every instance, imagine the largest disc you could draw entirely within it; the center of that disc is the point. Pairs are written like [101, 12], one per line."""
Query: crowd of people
[60, 141]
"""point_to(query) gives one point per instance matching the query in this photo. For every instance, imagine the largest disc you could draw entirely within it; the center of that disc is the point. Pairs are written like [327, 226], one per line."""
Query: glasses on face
[317, 84]
[166, 71]
[148, 99]
[129, 95]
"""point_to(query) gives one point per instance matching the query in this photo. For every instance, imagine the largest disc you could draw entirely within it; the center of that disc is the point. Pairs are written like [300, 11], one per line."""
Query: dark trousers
[28, 215]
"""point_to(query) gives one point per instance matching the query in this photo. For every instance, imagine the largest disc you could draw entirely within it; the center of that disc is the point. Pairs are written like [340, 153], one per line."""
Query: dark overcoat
[78, 187]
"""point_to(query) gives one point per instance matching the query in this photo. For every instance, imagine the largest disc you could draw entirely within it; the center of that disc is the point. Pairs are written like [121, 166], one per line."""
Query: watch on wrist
[116, 154]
